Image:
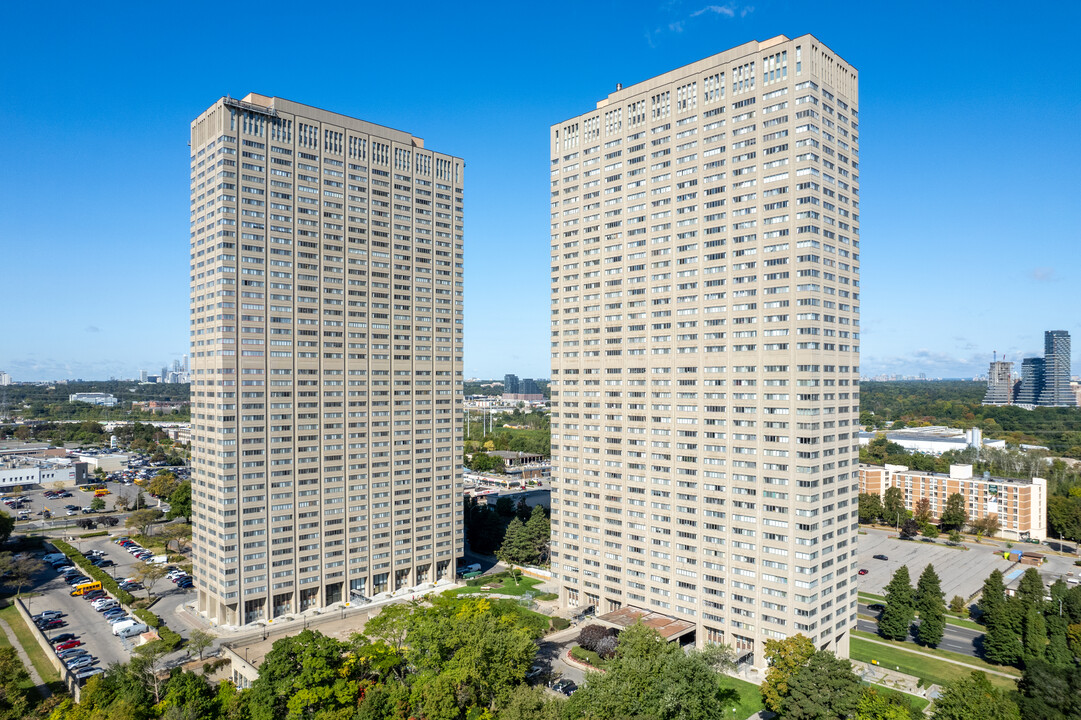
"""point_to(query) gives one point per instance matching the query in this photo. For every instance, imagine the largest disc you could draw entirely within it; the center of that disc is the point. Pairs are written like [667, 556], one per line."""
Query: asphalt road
[955, 638]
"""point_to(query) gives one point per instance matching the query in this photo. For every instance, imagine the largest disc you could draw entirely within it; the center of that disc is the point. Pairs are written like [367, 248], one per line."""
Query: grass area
[929, 670]
[588, 656]
[871, 597]
[750, 698]
[944, 654]
[961, 622]
[501, 586]
[30, 644]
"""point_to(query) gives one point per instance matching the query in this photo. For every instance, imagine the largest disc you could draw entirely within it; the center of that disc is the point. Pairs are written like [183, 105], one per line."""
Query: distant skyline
[969, 152]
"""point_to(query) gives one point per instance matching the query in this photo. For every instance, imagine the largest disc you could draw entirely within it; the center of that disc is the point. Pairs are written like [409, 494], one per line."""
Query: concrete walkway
[939, 657]
[42, 688]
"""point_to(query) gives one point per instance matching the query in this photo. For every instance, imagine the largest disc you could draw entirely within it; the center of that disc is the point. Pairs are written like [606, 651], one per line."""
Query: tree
[955, 537]
[504, 506]
[1001, 644]
[954, 517]
[590, 635]
[870, 507]
[987, 526]
[539, 530]
[825, 687]
[180, 502]
[992, 596]
[931, 607]
[974, 697]
[1058, 648]
[301, 675]
[522, 510]
[877, 705]
[97, 504]
[893, 506]
[785, 658]
[930, 531]
[1047, 691]
[14, 701]
[178, 534]
[7, 525]
[149, 574]
[121, 503]
[146, 665]
[910, 528]
[163, 484]
[1030, 590]
[143, 520]
[199, 641]
[517, 548]
[957, 604]
[921, 512]
[188, 696]
[1034, 636]
[895, 620]
[19, 571]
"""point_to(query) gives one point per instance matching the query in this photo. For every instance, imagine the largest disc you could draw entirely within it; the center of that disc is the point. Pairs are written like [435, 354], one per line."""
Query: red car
[69, 644]
[863, 571]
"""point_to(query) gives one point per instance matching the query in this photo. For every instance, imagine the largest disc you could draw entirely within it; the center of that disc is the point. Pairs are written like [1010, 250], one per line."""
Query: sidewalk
[42, 688]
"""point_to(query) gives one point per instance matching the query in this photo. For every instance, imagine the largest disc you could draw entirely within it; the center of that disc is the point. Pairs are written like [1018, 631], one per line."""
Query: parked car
[72, 653]
[62, 638]
[82, 662]
[105, 562]
[863, 571]
[94, 595]
[51, 624]
[48, 615]
[881, 557]
[565, 686]
[86, 673]
[68, 645]
[876, 607]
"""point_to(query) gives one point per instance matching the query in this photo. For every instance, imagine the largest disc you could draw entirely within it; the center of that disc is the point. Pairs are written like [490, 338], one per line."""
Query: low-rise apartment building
[1021, 505]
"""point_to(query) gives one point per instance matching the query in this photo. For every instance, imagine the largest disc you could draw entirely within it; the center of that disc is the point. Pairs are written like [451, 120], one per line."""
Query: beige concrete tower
[326, 359]
[705, 347]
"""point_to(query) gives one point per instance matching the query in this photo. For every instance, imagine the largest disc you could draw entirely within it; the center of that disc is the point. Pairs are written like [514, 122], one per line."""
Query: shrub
[591, 635]
[148, 617]
[99, 533]
[559, 623]
[606, 646]
[177, 558]
[547, 596]
[171, 639]
[957, 605]
[212, 666]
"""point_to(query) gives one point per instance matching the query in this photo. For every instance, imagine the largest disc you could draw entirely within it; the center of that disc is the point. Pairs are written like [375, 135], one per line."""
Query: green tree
[955, 537]
[19, 571]
[199, 641]
[1034, 636]
[992, 596]
[877, 705]
[539, 530]
[518, 547]
[14, 701]
[986, 526]
[931, 607]
[1030, 590]
[163, 484]
[785, 658]
[825, 687]
[180, 502]
[1046, 691]
[301, 675]
[895, 620]
[893, 506]
[910, 528]
[1001, 643]
[954, 517]
[930, 531]
[974, 697]
[97, 504]
[149, 575]
[530, 703]
[504, 506]
[957, 604]
[121, 503]
[1058, 649]
[143, 520]
[7, 525]
[870, 507]
[188, 695]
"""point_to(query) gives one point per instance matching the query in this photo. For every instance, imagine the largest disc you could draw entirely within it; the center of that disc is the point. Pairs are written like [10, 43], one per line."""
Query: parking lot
[81, 498]
[962, 572]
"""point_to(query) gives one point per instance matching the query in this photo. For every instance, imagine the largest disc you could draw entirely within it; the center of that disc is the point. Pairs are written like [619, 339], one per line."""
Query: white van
[131, 630]
[54, 557]
[124, 625]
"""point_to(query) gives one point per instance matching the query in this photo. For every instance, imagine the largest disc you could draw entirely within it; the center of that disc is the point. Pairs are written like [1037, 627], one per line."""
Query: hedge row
[148, 617]
[99, 533]
[107, 582]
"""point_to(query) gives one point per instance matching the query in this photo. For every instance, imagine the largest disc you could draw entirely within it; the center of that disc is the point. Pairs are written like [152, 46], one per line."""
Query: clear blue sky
[969, 136]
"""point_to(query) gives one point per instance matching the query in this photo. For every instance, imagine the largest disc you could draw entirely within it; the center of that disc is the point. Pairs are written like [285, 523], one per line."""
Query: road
[955, 638]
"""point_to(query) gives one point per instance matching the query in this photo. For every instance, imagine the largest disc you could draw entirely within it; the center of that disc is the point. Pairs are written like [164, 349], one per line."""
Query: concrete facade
[326, 359]
[1021, 505]
[705, 347]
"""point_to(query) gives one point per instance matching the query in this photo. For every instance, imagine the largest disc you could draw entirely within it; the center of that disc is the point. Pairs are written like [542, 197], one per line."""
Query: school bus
[86, 587]
[101, 492]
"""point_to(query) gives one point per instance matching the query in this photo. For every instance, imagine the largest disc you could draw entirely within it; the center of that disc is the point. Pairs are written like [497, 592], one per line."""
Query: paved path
[42, 688]
[939, 657]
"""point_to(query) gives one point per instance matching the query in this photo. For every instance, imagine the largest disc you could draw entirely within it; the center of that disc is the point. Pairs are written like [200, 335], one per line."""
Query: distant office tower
[326, 354]
[510, 384]
[1028, 391]
[142, 375]
[999, 383]
[1055, 391]
[705, 349]
[187, 367]
[5, 379]
[528, 387]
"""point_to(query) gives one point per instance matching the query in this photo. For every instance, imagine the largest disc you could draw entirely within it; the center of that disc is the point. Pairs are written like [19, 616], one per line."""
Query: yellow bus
[101, 493]
[86, 587]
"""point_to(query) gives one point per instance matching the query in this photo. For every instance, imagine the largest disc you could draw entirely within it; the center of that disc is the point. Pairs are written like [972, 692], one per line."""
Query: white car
[102, 601]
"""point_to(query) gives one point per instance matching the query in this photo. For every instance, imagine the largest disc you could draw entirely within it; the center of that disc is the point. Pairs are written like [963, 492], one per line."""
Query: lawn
[954, 620]
[750, 698]
[914, 700]
[501, 586]
[930, 671]
[944, 654]
[871, 597]
[30, 644]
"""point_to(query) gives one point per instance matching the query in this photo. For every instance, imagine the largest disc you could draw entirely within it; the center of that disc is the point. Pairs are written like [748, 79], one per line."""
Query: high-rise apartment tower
[999, 383]
[326, 358]
[1056, 390]
[705, 347]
